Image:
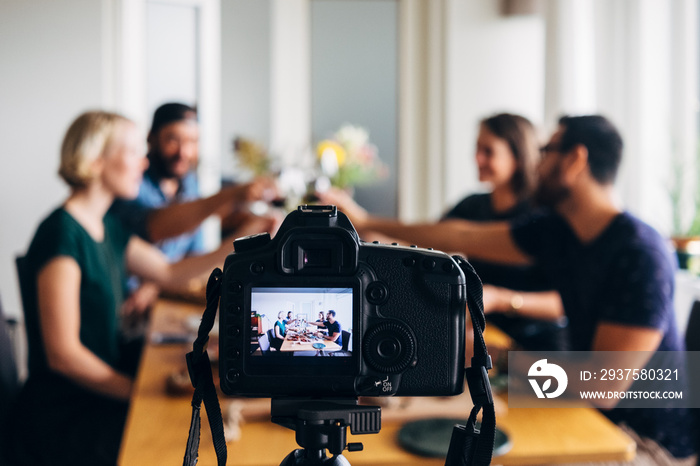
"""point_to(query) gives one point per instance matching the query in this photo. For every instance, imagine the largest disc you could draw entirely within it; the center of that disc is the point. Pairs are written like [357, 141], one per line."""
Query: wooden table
[289, 345]
[157, 427]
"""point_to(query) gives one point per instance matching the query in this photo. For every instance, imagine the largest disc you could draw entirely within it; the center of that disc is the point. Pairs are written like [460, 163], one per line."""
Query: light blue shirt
[135, 213]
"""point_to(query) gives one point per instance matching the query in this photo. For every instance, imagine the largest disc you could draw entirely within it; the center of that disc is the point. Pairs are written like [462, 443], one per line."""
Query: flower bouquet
[348, 159]
[252, 156]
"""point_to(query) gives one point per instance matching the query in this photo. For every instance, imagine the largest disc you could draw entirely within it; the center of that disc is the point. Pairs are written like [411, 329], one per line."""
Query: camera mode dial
[249, 243]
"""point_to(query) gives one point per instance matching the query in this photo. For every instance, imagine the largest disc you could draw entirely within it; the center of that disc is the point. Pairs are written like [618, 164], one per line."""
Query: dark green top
[102, 267]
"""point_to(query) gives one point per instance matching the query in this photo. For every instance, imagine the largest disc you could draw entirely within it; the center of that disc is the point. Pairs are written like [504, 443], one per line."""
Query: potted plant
[686, 236]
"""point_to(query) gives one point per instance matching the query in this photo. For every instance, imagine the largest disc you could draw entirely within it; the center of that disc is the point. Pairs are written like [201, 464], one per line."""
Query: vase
[688, 252]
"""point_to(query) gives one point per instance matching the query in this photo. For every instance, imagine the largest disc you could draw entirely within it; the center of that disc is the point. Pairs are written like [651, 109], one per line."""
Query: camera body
[393, 318]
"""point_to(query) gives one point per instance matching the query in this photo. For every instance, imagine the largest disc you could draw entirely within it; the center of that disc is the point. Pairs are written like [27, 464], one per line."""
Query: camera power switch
[378, 385]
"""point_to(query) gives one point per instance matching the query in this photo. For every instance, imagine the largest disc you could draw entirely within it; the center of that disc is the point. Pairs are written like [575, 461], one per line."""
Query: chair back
[9, 380]
[264, 342]
[692, 332]
[345, 335]
[692, 343]
[275, 342]
[21, 264]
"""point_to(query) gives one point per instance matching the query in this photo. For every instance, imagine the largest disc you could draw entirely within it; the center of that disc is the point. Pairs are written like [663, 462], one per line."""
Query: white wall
[53, 66]
[493, 63]
[245, 75]
[171, 54]
[60, 58]
[50, 71]
[290, 120]
[634, 61]
[354, 79]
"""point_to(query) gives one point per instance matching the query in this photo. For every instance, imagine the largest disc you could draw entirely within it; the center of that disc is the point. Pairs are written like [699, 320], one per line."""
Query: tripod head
[321, 424]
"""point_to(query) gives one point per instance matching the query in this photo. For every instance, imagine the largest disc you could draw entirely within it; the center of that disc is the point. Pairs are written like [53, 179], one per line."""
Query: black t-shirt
[624, 276]
[335, 328]
[72, 423]
[102, 269]
[477, 207]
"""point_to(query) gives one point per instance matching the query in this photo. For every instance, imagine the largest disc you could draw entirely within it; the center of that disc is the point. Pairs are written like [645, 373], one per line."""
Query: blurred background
[417, 75]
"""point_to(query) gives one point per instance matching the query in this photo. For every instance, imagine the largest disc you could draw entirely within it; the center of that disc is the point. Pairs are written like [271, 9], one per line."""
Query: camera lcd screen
[301, 322]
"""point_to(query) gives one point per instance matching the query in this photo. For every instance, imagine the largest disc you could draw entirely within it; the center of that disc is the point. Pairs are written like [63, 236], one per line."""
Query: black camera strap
[199, 368]
[471, 445]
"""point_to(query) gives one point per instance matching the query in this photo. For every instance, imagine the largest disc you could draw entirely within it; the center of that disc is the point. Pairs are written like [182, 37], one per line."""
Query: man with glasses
[332, 326]
[615, 274]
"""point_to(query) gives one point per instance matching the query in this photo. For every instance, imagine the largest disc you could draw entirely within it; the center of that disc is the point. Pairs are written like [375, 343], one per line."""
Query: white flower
[329, 162]
[353, 138]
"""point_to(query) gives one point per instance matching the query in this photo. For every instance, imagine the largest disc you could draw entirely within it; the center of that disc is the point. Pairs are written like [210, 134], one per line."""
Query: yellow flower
[337, 149]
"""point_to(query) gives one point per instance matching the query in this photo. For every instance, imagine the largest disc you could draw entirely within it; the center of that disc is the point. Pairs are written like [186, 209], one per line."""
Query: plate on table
[431, 437]
[318, 345]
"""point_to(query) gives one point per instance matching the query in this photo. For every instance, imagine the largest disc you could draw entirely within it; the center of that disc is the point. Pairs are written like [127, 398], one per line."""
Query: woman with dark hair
[506, 156]
[518, 299]
[507, 153]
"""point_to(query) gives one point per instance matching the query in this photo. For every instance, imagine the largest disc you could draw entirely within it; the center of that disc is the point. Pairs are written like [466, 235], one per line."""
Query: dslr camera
[316, 312]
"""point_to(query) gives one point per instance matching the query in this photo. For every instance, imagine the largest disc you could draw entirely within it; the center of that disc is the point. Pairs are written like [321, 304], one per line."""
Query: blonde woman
[73, 405]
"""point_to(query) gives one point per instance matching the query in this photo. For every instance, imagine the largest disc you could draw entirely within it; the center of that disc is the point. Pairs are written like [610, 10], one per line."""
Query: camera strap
[472, 445]
[202, 379]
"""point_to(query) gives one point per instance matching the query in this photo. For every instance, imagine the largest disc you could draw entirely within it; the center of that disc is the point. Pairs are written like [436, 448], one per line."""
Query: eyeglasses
[549, 148]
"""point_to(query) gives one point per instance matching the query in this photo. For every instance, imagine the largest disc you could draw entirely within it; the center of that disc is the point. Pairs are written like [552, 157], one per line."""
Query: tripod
[322, 424]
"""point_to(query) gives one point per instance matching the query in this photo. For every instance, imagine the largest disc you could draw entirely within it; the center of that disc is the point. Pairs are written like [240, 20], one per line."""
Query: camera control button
[378, 385]
[232, 376]
[448, 267]
[377, 293]
[409, 262]
[236, 287]
[428, 264]
[257, 268]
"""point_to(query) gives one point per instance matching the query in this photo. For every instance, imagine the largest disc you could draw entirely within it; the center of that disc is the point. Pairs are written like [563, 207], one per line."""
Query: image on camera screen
[301, 321]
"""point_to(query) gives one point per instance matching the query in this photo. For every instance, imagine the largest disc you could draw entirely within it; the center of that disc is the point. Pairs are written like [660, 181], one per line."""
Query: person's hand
[261, 189]
[346, 204]
[255, 224]
[141, 300]
[370, 236]
[493, 299]
[234, 197]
